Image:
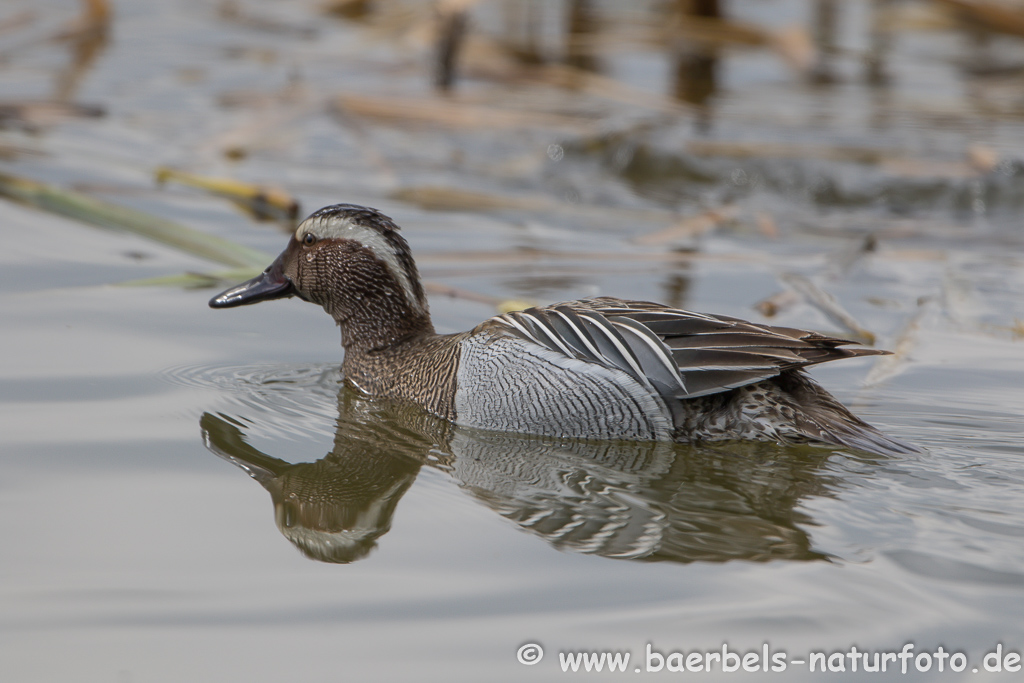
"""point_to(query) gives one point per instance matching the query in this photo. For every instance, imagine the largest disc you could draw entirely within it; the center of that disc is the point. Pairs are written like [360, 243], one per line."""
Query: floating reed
[80, 207]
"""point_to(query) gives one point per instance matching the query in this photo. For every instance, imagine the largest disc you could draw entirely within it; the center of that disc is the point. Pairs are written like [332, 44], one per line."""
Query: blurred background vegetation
[653, 132]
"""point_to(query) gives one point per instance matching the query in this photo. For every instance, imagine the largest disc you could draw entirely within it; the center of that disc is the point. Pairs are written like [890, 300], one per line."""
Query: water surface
[137, 549]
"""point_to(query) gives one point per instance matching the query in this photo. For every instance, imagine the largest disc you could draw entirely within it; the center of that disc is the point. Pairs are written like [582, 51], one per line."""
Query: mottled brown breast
[422, 370]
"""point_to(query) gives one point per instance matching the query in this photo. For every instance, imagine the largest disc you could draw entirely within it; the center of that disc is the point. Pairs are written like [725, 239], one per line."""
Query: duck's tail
[818, 416]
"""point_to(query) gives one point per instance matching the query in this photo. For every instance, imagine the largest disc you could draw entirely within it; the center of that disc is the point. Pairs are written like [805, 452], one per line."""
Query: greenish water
[137, 549]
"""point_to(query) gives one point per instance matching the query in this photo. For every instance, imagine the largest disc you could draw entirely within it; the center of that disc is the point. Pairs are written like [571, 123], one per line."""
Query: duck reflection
[627, 500]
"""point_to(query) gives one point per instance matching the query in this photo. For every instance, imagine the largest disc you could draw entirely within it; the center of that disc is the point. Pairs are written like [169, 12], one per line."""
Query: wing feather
[677, 353]
[655, 358]
[610, 341]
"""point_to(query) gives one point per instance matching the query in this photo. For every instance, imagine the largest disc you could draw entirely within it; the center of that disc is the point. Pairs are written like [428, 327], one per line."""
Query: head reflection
[334, 509]
[638, 501]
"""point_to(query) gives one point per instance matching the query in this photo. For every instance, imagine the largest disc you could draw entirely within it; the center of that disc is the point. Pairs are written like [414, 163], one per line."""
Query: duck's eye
[310, 238]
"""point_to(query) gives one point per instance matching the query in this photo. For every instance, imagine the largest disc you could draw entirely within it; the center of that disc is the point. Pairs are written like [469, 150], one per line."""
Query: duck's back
[612, 369]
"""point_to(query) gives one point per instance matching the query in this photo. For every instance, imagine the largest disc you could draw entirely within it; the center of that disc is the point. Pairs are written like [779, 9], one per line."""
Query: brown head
[352, 261]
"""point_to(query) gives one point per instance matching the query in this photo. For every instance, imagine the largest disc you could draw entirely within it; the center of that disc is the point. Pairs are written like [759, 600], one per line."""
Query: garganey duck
[601, 368]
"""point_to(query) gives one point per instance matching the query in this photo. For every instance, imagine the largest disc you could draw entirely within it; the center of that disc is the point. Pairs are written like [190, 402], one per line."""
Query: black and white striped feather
[678, 354]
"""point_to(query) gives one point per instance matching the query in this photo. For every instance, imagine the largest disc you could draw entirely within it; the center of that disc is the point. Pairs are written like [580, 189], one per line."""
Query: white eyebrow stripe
[335, 227]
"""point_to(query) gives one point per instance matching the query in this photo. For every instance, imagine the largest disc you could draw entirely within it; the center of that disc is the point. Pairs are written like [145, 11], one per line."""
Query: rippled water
[371, 542]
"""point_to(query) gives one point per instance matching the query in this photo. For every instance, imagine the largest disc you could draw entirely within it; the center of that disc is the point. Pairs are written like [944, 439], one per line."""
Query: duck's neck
[391, 351]
[420, 367]
[378, 326]
[375, 309]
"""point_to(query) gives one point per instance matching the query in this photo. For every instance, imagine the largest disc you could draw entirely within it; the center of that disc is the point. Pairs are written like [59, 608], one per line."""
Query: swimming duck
[601, 368]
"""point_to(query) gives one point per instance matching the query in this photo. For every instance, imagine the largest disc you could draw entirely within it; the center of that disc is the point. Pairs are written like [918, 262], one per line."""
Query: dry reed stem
[267, 130]
[887, 367]
[438, 289]
[230, 11]
[94, 21]
[32, 114]
[532, 256]
[996, 17]
[264, 202]
[80, 207]
[980, 159]
[829, 305]
[438, 198]
[777, 303]
[744, 150]
[690, 227]
[17, 21]
[451, 113]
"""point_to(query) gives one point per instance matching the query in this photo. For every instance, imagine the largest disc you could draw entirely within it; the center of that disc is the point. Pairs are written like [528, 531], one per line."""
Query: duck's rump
[790, 408]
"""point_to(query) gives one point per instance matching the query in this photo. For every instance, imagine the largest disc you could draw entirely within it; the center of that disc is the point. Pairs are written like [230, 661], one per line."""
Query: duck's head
[352, 261]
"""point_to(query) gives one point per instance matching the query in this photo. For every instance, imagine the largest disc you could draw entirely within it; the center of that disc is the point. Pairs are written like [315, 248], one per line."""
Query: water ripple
[293, 401]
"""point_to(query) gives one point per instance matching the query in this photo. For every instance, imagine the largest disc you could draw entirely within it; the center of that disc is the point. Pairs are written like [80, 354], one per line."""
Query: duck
[598, 368]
